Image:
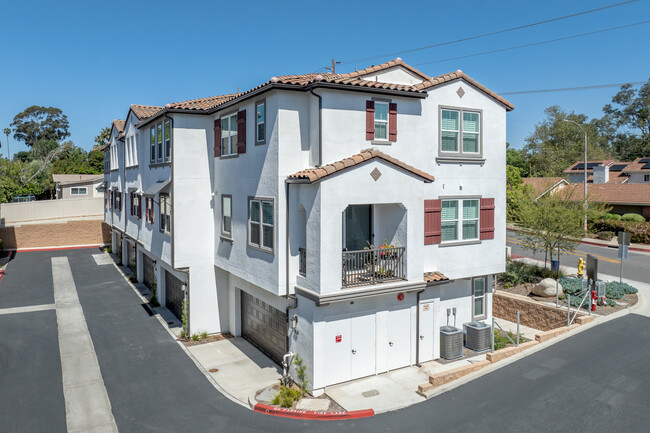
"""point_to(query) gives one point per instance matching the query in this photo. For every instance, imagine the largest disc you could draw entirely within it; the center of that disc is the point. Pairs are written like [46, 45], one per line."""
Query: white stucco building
[337, 216]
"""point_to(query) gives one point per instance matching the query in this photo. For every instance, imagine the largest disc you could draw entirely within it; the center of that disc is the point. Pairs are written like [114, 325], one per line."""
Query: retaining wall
[57, 234]
[532, 314]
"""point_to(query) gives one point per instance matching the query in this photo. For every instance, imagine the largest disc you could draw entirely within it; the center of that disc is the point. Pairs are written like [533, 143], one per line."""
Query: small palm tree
[7, 131]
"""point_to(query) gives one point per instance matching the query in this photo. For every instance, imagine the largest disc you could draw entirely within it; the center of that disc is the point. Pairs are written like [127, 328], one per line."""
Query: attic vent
[375, 174]
[460, 92]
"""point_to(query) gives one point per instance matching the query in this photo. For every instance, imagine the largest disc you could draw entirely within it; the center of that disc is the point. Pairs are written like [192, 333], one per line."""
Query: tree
[517, 158]
[40, 123]
[555, 144]
[12, 180]
[74, 160]
[627, 122]
[103, 137]
[517, 194]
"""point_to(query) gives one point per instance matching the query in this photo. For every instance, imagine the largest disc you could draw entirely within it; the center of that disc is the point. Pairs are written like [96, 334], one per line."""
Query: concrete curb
[182, 346]
[305, 414]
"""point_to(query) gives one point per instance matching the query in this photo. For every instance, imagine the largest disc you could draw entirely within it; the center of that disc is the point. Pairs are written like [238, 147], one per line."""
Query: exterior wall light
[294, 321]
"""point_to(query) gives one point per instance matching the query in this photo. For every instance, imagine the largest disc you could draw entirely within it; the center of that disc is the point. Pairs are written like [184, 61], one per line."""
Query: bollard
[517, 328]
[568, 310]
[492, 335]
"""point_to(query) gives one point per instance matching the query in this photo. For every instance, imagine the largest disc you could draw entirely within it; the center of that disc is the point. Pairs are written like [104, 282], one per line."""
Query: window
[117, 201]
[135, 205]
[478, 298]
[165, 214]
[226, 216]
[260, 224]
[229, 135]
[152, 144]
[460, 220]
[149, 210]
[168, 140]
[381, 121]
[82, 190]
[260, 122]
[159, 141]
[460, 132]
[646, 177]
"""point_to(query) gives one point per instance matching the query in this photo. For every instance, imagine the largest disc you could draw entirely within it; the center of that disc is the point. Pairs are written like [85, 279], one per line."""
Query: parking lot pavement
[27, 280]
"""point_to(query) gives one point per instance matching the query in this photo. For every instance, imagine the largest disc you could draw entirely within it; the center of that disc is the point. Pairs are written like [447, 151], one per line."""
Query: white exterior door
[426, 332]
[399, 341]
[362, 347]
[336, 353]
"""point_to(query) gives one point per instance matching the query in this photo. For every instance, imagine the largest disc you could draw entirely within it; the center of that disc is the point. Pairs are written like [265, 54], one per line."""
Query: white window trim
[166, 139]
[459, 222]
[230, 137]
[459, 152]
[263, 122]
[484, 299]
[79, 188]
[152, 144]
[224, 233]
[386, 122]
[162, 223]
[159, 142]
[262, 224]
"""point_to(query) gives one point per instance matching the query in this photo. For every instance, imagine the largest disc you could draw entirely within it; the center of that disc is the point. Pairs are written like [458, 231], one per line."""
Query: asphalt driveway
[595, 381]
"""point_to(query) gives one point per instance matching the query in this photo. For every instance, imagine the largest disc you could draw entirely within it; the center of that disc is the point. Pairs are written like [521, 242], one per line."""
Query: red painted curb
[305, 414]
[2, 274]
[28, 250]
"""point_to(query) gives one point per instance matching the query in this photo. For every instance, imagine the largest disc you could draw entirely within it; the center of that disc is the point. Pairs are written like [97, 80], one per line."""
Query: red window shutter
[392, 121]
[140, 208]
[487, 218]
[370, 120]
[432, 222]
[131, 207]
[241, 131]
[217, 138]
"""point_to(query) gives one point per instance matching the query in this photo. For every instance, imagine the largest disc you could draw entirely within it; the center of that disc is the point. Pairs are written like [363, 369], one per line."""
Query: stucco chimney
[601, 174]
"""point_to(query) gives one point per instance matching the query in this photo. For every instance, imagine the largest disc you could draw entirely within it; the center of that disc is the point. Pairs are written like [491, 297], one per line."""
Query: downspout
[186, 271]
[417, 329]
[286, 260]
[320, 126]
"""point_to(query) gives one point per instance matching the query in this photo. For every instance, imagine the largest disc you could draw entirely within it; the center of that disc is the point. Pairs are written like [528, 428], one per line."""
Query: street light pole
[585, 169]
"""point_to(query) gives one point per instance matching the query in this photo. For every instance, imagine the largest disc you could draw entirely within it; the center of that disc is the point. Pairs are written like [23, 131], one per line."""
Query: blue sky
[92, 59]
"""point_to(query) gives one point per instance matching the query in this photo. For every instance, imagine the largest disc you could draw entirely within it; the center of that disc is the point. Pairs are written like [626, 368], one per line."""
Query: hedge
[640, 230]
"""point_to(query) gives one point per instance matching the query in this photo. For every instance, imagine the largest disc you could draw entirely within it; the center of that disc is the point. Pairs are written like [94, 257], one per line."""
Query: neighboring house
[543, 185]
[267, 211]
[77, 185]
[609, 171]
[623, 198]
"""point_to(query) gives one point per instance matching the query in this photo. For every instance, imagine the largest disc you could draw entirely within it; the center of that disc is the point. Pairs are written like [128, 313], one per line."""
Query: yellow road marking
[576, 253]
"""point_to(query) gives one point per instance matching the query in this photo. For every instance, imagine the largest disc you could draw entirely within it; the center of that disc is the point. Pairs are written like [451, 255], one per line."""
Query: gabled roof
[118, 124]
[542, 185]
[144, 111]
[639, 165]
[391, 64]
[317, 174]
[202, 103]
[613, 193]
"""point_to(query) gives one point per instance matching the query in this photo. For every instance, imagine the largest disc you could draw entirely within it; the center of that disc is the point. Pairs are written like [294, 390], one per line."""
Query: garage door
[264, 326]
[174, 295]
[147, 269]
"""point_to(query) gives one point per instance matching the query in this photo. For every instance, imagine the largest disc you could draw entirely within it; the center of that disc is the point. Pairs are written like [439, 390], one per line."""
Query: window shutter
[392, 121]
[432, 221]
[217, 138]
[140, 208]
[370, 120]
[241, 131]
[131, 204]
[487, 218]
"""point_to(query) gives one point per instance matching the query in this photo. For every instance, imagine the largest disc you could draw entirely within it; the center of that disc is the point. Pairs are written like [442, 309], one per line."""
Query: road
[636, 267]
[595, 381]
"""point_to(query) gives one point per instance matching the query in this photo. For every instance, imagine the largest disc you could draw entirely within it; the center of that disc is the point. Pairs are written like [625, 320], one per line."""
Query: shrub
[615, 290]
[606, 236]
[633, 217]
[571, 285]
[203, 335]
[611, 216]
[640, 231]
[518, 273]
[286, 397]
[301, 372]
[195, 337]
[501, 341]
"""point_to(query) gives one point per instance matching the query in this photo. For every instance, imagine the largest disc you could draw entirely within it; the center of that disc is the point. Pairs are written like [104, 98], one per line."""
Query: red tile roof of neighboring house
[590, 170]
[316, 174]
[613, 193]
[636, 166]
[614, 177]
[144, 111]
[541, 185]
[434, 276]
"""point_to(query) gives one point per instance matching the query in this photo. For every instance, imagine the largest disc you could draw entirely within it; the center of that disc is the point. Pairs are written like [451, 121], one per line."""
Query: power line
[533, 44]
[568, 89]
[363, 59]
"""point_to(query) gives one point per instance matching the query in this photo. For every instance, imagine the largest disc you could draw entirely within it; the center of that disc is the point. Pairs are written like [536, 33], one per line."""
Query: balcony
[373, 266]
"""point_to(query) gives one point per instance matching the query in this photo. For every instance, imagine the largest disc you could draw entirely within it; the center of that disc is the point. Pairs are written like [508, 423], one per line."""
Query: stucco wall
[52, 209]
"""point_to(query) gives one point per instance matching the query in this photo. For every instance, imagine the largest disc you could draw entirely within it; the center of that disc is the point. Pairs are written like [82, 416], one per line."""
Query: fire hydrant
[581, 267]
[594, 300]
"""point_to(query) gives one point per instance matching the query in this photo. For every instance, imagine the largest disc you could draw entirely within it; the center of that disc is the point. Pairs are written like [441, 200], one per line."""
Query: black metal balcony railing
[373, 266]
[302, 261]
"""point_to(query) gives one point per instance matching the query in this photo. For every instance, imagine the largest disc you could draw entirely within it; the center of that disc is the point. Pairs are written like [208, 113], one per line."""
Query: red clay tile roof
[144, 111]
[589, 170]
[119, 127]
[434, 276]
[613, 193]
[316, 174]
[636, 166]
[203, 103]
[460, 75]
[388, 65]
[541, 185]
[614, 177]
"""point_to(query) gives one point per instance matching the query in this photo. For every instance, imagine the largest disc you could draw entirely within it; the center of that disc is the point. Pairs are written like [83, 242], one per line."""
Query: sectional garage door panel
[174, 295]
[147, 269]
[264, 326]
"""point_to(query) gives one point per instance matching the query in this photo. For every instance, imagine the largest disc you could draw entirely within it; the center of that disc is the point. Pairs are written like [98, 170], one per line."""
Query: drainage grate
[371, 393]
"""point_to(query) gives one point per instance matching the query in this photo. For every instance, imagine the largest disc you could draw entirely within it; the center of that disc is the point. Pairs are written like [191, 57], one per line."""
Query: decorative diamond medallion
[460, 92]
[375, 174]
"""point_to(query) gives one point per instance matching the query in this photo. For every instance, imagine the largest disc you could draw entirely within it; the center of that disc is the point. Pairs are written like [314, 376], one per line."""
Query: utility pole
[333, 66]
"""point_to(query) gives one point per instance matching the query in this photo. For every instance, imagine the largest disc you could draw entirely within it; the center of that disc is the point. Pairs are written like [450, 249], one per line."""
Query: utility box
[451, 342]
[478, 336]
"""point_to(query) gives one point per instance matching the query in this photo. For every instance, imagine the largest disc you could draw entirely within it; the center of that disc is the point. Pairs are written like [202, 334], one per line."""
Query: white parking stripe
[87, 405]
[28, 309]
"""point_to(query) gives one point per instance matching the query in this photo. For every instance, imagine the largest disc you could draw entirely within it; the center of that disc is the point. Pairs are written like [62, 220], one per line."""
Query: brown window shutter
[432, 222]
[370, 120]
[140, 208]
[487, 218]
[217, 138]
[392, 121]
[241, 131]
[131, 204]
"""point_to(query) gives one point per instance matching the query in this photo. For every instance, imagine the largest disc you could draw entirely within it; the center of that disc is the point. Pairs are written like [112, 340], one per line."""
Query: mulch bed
[188, 342]
[334, 406]
[525, 289]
